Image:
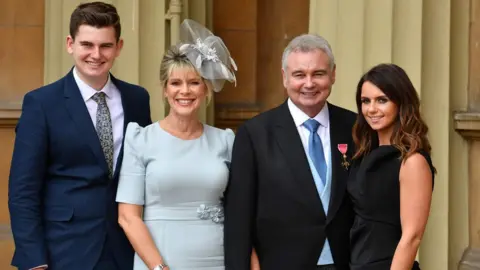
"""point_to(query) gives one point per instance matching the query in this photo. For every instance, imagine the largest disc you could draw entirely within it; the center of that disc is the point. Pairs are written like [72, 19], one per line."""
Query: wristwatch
[160, 267]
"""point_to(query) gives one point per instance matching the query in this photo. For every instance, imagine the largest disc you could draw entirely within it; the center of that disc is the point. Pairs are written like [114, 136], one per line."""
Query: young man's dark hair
[97, 14]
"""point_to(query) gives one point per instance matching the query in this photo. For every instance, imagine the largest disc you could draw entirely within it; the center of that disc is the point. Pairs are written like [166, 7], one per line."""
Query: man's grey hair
[308, 43]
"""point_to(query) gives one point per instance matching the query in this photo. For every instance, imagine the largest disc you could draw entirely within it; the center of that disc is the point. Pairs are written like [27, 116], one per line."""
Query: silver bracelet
[160, 267]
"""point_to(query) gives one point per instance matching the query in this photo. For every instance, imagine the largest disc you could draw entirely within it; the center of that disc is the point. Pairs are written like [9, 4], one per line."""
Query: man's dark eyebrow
[102, 44]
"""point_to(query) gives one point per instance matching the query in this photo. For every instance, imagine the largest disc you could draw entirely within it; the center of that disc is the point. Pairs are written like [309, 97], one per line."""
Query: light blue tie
[315, 149]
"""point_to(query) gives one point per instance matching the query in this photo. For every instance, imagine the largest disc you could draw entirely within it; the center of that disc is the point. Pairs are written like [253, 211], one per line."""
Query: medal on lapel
[343, 147]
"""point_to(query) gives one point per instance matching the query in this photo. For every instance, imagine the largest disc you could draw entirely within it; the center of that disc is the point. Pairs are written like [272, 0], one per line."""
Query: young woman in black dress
[391, 176]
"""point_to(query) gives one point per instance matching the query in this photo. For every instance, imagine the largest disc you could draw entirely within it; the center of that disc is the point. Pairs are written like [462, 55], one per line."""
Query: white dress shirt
[299, 117]
[114, 103]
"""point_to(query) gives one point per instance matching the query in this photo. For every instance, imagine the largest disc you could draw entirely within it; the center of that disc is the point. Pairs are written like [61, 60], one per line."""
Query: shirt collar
[88, 92]
[299, 117]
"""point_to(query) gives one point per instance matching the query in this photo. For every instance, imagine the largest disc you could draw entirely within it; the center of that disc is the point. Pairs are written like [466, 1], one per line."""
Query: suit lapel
[339, 134]
[126, 102]
[79, 113]
[289, 141]
[127, 117]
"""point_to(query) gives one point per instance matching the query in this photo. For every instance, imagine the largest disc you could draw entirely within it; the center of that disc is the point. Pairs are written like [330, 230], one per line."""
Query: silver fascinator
[207, 53]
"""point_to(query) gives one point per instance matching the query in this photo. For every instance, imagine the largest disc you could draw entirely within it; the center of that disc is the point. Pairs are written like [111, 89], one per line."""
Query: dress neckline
[180, 139]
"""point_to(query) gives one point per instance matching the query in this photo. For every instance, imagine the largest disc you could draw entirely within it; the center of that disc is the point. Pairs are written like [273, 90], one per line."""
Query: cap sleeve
[131, 183]
[430, 163]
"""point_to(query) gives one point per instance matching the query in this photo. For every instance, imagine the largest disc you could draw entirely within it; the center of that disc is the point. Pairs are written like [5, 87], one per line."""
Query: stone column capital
[467, 123]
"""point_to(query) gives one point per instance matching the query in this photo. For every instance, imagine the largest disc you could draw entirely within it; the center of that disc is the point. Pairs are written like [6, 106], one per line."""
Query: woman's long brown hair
[410, 131]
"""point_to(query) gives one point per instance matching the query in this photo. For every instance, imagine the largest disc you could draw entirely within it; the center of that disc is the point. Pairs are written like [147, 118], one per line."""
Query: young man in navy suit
[68, 152]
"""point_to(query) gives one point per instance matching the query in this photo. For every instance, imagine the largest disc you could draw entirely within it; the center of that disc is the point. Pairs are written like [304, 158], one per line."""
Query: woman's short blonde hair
[173, 59]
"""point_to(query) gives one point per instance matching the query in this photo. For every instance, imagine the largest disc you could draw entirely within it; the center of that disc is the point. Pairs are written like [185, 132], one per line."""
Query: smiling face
[308, 79]
[94, 51]
[185, 90]
[379, 111]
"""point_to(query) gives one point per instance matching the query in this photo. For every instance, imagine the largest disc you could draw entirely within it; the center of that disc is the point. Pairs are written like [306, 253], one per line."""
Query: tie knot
[312, 125]
[99, 97]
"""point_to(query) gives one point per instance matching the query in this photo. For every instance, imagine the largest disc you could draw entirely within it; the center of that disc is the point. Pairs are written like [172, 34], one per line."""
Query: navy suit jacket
[61, 200]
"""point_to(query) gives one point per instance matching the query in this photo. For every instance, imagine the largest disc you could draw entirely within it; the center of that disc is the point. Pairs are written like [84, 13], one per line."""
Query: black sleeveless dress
[374, 189]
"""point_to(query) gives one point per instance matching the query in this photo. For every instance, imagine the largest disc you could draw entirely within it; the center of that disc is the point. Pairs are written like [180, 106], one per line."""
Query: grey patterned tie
[104, 129]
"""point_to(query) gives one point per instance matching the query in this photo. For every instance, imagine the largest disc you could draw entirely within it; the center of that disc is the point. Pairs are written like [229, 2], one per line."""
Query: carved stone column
[174, 14]
[467, 123]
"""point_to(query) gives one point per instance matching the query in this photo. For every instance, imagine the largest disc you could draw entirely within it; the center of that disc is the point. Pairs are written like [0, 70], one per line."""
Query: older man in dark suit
[287, 192]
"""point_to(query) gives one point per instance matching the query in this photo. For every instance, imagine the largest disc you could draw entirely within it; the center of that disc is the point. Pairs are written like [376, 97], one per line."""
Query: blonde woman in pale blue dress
[175, 171]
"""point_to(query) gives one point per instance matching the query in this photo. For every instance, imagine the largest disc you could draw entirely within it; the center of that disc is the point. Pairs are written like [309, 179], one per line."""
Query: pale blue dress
[180, 184]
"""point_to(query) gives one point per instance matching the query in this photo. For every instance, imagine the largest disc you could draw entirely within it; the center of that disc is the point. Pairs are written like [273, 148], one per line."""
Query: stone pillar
[467, 123]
